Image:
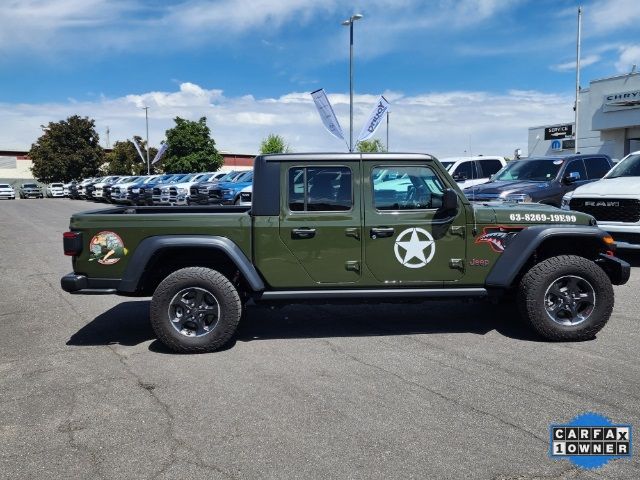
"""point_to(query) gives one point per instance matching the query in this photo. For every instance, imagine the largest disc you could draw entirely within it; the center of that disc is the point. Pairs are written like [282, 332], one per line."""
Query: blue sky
[462, 76]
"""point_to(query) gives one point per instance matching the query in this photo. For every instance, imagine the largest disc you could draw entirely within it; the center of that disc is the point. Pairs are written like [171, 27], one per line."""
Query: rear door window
[597, 167]
[320, 189]
[489, 167]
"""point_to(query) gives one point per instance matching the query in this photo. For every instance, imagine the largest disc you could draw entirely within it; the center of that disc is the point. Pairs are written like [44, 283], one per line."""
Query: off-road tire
[230, 308]
[533, 288]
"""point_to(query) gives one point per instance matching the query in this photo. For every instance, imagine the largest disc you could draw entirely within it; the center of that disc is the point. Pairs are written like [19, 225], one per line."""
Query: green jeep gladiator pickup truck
[345, 227]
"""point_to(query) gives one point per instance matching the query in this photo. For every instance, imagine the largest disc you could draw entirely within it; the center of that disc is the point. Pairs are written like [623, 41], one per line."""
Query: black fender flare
[151, 245]
[527, 241]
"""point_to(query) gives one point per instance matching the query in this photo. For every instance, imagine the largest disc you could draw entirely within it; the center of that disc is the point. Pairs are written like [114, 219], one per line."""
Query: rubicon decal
[497, 237]
[414, 248]
[106, 248]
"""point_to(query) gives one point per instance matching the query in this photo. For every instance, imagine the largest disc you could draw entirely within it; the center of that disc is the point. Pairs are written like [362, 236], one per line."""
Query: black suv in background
[541, 179]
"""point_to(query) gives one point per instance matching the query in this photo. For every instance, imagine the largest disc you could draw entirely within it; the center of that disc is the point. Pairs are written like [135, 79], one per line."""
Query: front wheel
[195, 310]
[566, 298]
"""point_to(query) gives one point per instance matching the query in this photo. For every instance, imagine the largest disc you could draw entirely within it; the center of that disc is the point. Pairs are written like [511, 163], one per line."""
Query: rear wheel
[195, 310]
[566, 298]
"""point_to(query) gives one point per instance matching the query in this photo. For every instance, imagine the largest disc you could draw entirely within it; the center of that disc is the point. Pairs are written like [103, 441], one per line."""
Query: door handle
[381, 232]
[303, 233]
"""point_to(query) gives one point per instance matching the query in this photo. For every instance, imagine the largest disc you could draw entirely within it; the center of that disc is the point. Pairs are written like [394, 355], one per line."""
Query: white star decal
[414, 248]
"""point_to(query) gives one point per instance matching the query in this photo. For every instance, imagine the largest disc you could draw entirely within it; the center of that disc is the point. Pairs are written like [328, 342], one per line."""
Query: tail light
[72, 242]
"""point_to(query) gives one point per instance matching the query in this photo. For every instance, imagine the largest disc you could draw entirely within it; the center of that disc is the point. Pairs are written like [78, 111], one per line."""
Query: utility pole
[108, 143]
[577, 109]
[146, 117]
[387, 130]
[349, 23]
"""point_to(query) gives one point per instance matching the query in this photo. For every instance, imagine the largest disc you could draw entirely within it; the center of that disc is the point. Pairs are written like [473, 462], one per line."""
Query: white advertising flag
[160, 153]
[327, 114]
[377, 114]
[135, 143]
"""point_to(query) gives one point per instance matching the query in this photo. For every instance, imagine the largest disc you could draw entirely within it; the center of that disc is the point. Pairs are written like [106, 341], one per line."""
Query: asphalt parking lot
[435, 390]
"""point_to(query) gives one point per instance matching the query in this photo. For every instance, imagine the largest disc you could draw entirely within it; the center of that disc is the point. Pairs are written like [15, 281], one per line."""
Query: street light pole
[349, 22]
[146, 117]
[577, 109]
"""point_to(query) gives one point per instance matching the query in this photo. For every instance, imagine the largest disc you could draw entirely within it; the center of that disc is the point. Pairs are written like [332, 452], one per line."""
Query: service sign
[621, 101]
[557, 132]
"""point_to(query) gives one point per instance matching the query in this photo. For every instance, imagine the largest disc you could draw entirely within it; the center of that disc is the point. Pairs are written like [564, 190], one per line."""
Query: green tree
[67, 150]
[191, 148]
[274, 144]
[124, 158]
[371, 146]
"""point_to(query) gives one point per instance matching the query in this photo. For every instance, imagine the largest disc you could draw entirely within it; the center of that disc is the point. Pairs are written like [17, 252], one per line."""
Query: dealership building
[608, 122]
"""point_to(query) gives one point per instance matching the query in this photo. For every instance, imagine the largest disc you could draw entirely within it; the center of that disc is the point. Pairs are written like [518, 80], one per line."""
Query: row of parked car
[25, 190]
[208, 188]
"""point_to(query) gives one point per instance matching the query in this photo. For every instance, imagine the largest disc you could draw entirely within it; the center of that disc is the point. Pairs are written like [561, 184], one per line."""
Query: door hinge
[457, 263]
[352, 265]
[458, 230]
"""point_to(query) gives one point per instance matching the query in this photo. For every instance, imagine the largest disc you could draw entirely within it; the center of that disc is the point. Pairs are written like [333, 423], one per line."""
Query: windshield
[30, 185]
[531, 170]
[4, 185]
[228, 176]
[447, 165]
[245, 177]
[627, 167]
[56, 185]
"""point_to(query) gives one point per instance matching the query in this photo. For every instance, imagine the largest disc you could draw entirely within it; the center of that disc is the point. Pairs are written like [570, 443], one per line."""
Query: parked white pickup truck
[470, 171]
[614, 201]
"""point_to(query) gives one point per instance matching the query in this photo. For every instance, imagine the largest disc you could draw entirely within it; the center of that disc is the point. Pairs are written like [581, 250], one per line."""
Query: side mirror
[450, 200]
[571, 177]
[459, 177]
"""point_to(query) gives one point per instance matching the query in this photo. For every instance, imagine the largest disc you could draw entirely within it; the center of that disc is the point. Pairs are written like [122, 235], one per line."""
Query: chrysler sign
[621, 101]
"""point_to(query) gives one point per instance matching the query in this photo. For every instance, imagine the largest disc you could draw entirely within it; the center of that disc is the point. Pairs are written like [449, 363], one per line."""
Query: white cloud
[610, 15]
[44, 25]
[571, 66]
[100, 26]
[629, 56]
[441, 123]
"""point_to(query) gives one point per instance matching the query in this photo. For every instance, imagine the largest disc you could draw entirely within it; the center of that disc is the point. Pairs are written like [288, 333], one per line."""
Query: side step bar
[374, 293]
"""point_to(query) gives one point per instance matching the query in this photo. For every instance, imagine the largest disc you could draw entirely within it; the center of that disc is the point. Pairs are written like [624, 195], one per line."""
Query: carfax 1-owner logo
[590, 440]
[106, 248]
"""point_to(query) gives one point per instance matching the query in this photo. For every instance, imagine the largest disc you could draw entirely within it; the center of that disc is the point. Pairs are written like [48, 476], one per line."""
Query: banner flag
[327, 114]
[160, 153]
[377, 114]
[135, 143]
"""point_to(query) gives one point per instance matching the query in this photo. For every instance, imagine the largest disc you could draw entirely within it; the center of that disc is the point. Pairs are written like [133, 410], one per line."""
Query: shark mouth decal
[498, 237]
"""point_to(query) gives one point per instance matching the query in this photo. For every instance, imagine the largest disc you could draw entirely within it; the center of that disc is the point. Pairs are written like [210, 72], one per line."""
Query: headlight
[227, 192]
[516, 197]
[182, 191]
[566, 200]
